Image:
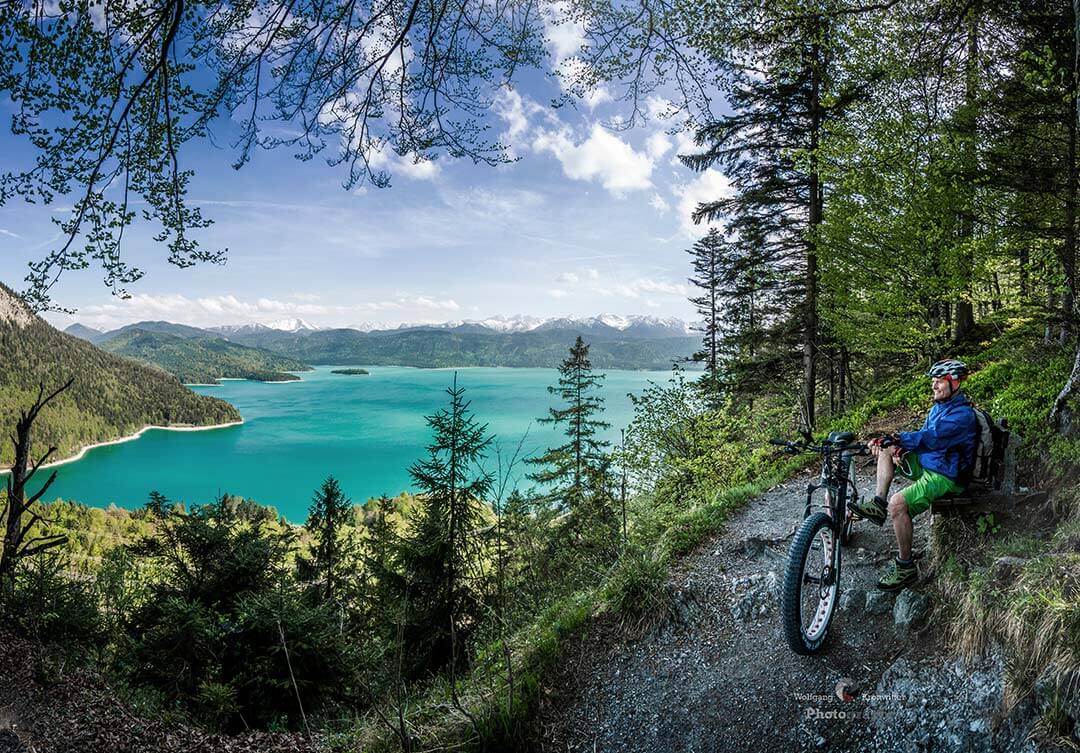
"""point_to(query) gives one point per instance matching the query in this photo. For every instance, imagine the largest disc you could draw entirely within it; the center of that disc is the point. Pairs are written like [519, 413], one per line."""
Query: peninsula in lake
[111, 396]
[193, 355]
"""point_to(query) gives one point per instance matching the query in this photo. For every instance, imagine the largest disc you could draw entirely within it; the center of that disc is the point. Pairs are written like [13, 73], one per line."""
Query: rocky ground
[718, 675]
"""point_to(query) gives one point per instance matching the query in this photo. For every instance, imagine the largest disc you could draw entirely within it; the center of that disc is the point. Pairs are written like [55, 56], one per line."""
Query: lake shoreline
[130, 437]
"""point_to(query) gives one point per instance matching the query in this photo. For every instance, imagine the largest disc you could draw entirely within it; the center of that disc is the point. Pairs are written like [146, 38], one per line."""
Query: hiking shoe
[897, 576]
[871, 509]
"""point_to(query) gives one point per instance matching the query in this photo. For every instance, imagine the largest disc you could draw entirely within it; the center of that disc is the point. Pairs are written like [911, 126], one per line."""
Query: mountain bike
[811, 585]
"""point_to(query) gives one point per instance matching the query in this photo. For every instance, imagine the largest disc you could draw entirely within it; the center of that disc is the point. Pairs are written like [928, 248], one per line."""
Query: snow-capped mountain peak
[291, 325]
[614, 320]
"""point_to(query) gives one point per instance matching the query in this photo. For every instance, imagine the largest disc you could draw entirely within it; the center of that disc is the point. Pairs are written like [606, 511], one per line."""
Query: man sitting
[936, 458]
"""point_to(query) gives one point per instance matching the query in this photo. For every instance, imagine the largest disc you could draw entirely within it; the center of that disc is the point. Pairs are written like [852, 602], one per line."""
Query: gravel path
[720, 677]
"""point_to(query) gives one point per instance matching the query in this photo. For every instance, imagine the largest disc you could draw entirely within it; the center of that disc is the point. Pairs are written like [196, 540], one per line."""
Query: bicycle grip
[779, 442]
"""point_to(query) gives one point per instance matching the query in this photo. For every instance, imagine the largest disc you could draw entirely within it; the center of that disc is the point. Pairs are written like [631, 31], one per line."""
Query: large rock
[878, 601]
[910, 608]
[1006, 570]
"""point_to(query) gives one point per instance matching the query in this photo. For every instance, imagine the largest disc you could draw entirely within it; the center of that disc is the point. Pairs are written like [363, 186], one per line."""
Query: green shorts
[926, 485]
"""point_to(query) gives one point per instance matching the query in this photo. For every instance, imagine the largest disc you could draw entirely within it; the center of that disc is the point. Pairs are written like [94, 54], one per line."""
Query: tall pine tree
[327, 518]
[707, 263]
[783, 66]
[568, 467]
[439, 557]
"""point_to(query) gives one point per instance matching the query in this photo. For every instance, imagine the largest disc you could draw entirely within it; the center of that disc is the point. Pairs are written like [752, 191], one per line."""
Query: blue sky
[589, 219]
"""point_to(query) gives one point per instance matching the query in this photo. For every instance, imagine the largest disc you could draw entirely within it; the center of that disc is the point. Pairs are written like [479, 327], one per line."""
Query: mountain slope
[112, 396]
[84, 333]
[165, 328]
[202, 360]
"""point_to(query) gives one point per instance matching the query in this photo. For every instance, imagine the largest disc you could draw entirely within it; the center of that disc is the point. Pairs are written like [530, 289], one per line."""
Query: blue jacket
[946, 441]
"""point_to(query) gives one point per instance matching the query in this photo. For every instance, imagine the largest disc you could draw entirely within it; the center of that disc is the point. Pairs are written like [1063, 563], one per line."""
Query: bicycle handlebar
[794, 447]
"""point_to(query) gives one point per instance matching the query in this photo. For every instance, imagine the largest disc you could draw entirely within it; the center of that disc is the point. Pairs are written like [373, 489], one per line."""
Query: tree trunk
[965, 312]
[16, 529]
[1068, 246]
[810, 319]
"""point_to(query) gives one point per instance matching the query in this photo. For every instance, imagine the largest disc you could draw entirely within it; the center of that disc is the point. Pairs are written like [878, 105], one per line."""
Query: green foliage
[50, 606]
[219, 616]
[986, 526]
[635, 590]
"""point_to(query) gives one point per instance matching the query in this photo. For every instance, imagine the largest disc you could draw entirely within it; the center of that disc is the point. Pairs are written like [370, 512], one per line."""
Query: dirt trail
[719, 676]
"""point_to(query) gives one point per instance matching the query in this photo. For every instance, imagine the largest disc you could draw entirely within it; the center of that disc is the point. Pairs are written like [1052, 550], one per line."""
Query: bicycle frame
[835, 480]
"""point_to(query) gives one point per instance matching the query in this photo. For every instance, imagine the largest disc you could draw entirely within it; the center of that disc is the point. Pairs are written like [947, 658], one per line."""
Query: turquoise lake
[365, 430]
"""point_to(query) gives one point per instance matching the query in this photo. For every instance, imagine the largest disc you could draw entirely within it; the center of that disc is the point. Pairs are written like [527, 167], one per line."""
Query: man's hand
[875, 445]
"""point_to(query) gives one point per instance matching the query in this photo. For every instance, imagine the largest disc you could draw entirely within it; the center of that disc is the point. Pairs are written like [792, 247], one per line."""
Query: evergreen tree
[736, 309]
[783, 64]
[707, 259]
[327, 518]
[439, 557]
[567, 467]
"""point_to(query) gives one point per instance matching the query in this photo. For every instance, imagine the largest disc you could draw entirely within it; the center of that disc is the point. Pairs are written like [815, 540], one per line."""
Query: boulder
[878, 602]
[1006, 569]
[910, 608]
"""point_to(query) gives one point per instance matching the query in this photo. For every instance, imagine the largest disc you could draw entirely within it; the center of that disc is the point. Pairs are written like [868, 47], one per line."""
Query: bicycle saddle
[841, 437]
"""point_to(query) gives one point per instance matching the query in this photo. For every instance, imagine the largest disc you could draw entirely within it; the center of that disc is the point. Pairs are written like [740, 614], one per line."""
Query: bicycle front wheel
[811, 584]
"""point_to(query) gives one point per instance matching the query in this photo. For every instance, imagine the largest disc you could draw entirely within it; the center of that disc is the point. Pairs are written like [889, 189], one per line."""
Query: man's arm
[952, 429]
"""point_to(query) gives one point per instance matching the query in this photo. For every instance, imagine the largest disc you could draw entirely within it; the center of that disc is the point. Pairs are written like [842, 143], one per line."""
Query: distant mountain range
[604, 324]
[470, 345]
[628, 342]
[112, 396]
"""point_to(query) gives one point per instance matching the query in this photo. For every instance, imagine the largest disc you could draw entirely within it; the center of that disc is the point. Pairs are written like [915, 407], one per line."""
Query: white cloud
[603, 157]
[659, 286]
[208, 311]
[557, 293]
[657, 145]
[488, 205]
[658, 203]
[642, 286]
[568, 277]
[8, 233]
[513, 108]
[660, 108]
[710, 186]
[593, 274]
[427, 302]
[409, 165]
[684, 144]
[564, 35]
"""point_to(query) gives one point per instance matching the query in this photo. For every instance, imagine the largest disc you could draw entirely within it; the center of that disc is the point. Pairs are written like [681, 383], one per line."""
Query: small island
[350, 372]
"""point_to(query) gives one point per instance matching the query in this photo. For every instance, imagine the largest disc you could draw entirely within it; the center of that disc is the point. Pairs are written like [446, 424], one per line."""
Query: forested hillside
[437, 348]
[199, 359]
[111, 397]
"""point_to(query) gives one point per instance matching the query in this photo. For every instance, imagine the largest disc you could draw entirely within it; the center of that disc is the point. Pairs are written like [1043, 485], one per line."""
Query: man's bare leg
[886, 469]
[901, 521]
